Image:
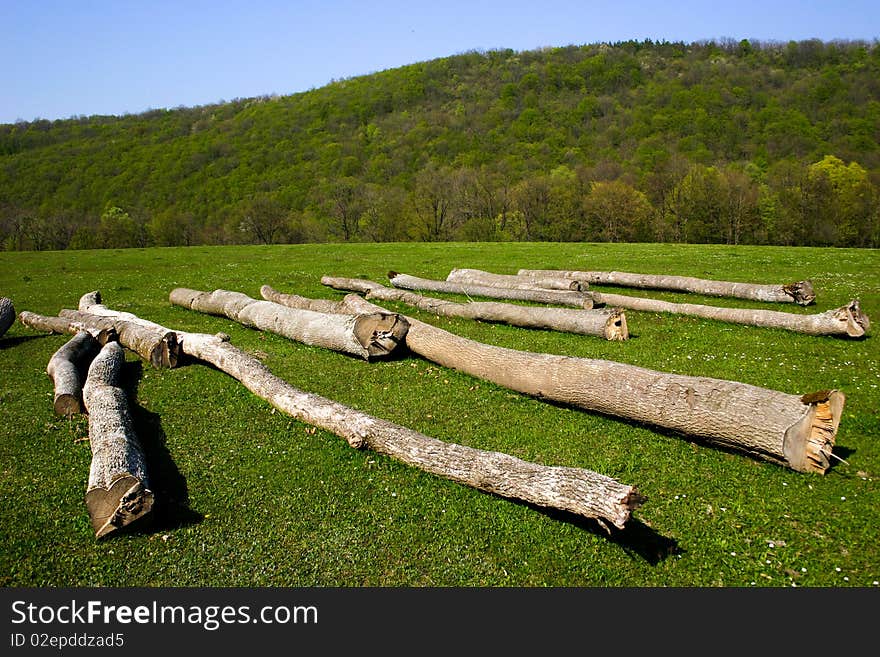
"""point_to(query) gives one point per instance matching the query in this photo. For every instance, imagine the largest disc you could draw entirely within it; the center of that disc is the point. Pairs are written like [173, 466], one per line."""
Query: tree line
[730, 142]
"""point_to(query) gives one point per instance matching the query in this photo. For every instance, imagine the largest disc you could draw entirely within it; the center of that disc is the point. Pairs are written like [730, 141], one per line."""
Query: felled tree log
[151, 343]
[800, 292]
[368, 336]
[607, 323]
[535, 295]
[575, 490]
[796, 431]
[7, 314]
[549, 282]
[66, 367]
[848, 320]
[295, 301]
[63, 325]
[118, 491]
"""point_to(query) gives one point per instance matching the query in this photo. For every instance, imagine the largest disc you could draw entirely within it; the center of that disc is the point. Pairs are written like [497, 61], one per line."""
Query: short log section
[608, 323]
[368, 336]
[66, 368]
[799, 292]
[118, 491]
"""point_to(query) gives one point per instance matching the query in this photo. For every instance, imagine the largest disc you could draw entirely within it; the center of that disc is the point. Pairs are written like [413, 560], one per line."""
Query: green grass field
[250, 497]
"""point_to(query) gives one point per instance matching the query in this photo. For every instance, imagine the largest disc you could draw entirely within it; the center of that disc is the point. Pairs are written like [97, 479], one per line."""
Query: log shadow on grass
[171, 508]
[7, 342]
[636, 538]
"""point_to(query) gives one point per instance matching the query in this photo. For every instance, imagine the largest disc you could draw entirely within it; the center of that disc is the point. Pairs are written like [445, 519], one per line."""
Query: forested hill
[709, 142]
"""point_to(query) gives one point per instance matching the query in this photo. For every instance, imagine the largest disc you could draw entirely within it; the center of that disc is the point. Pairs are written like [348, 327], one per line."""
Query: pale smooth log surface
[845, 321]
[151, 342]
[368, 336]
[799, 292]
[66, 368]
[535, 295]
[788, 429]
[296, 301]
[609, 323]
[62, 325]
[7, 314]
[118, 491]
[549, 282]
[575, 490]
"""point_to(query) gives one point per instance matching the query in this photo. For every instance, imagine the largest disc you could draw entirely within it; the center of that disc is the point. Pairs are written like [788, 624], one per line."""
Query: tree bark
[606, 323]
[796, 431]
[118, 491]
[63, 325]
[295, 301]
[535, 295]
[846, 321]
[548, 282]
[65, 368]
[575, 490]
[151, 343]
[7, 314]
[368, 336]
[800, 292]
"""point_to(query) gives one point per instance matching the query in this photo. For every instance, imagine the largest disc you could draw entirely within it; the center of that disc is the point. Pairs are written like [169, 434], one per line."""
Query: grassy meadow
[247, 496]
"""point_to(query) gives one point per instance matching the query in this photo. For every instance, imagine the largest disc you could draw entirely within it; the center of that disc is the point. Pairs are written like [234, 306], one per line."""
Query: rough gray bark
[66, 368]
[535, 295]
[295, 301]
[63, 325]
[548, 282]
[7, 314]
[800, 292]
[118, 491]
[368, 336]
[609, 323]
[847, 321]
[151, 343]
[797, 431]
[575, 490]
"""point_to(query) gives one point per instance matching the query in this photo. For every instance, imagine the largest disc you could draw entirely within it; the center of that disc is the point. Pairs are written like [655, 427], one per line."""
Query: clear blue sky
[73, 57]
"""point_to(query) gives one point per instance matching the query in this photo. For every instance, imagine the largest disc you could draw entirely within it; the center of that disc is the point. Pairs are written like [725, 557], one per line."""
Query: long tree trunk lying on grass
[535, 295]
[549, 282]
[800, 292]
[118, 490]
[7, 314]
[65, 368]
[848, 320]
[608, 323]
[795, 431]
[575, 490]
[368, 336]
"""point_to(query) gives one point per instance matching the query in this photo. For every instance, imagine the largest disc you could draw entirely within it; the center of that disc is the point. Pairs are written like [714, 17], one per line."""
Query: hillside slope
[709, 142]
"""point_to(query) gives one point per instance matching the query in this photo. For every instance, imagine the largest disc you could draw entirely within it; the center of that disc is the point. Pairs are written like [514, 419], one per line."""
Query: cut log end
[380, 333]
[857, 322]
[166, 353]
[801, 291]
[808, 444]
[615, 327]
[630, 501]
[67, 404]
[125, 501]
